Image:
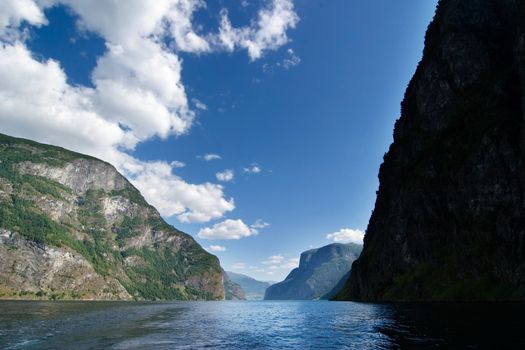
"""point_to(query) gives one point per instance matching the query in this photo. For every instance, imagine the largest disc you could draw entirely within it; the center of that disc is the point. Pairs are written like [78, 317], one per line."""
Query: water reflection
[456, 325]
[258, 325]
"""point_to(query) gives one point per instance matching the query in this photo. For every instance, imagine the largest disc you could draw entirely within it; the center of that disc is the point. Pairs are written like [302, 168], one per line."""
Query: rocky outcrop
[72, 227]
[449, 219]
[318, 273]
[31, 269]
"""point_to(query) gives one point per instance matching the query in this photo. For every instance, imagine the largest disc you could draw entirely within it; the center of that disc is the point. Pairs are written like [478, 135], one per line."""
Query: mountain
[254, 289]
[232, 290]
[72, 227]
[449, 218]
[318, 273]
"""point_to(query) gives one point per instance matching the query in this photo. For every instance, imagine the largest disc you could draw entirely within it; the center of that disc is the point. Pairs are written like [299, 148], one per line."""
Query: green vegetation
[18, 150]
[21, 216]
[127, 229]
[161, 275]
[132, 194]
[428, 283]
[162, 272]
[9, 293]
[90, 211]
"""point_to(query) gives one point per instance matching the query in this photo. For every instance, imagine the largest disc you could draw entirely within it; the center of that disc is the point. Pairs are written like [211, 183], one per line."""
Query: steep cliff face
[72, 227]
[318, 273]
[449, 219]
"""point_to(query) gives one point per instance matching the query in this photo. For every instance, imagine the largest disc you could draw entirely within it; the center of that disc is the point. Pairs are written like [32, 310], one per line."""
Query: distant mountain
[232, 290]
[338, 287]
[319, 271]
[254, 289]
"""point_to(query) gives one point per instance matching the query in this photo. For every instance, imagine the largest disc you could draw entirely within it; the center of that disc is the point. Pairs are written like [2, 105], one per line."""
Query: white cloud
[228, 229]
[291, 60]
[129, 101]
[210, 156]
[231, 229]
[66, 117]
[199, 104]
[225, 176]
[216, 248]
[180, 25]
[267, 33]
[259, 224]
[177, 164]
[279, 262]
[347, 235]
[173, 196]
[13, 13]
[239, 266]
[252, 169]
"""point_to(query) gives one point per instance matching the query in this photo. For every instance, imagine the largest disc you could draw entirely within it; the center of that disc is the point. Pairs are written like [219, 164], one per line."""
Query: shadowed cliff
[449, 219]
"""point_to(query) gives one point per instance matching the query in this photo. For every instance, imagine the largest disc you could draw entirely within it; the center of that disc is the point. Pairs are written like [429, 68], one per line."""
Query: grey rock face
[28, 266]
[79, 175]
[449, 219]
[72, 227]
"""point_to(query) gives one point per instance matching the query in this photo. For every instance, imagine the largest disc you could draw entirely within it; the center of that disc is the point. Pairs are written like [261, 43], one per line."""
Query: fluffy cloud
[13, 12]
[259, 224]
[65, 118]
[129, 102]
[173, 196]
[199, 104]
[211, 156]
[291, 59]
[177, 164]
[231, 229]
[216, 248]
[267, 33]
[346, 235]
[225, 176]
[228, 229]
[252, 169]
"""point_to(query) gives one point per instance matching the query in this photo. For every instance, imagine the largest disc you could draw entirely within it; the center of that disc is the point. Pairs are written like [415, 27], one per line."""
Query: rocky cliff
[318, 273]
[449, 219]
[72, 227]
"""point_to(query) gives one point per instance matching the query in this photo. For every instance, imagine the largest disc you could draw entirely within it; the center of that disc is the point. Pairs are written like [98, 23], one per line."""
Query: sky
[256, 126]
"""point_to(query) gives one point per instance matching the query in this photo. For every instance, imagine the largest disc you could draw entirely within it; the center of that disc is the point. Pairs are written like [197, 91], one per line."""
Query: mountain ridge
[319, 271]
[254, 289]
[72, 227]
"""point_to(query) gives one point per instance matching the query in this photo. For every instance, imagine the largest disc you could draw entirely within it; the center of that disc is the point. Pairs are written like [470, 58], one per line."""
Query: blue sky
[301, 117]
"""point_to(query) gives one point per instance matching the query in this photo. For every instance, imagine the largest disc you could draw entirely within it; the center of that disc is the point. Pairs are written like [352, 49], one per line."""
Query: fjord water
[258, 325]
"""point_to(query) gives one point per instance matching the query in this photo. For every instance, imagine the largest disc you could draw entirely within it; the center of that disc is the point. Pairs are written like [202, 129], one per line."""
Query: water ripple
[257, 325]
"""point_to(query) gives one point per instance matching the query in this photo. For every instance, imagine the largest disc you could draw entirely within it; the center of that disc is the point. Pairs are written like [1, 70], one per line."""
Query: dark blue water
[259, 325]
